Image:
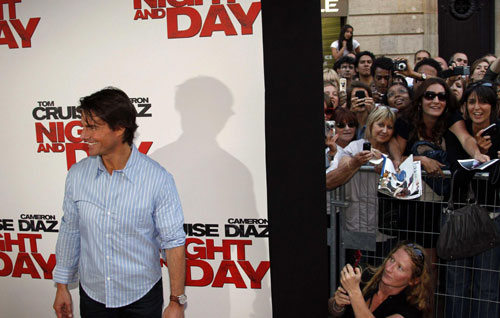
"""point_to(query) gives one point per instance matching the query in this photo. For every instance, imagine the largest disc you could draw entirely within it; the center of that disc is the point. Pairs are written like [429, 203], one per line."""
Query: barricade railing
[463, 288]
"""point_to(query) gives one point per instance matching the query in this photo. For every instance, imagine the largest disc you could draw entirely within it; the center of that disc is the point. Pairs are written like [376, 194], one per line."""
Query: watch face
[182, 299]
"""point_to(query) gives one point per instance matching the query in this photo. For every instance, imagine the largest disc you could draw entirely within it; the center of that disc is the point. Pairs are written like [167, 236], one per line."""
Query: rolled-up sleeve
[68, 241]
[168, 215]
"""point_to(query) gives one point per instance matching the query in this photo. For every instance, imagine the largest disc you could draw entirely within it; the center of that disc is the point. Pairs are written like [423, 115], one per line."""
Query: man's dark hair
[113, 107]
[342, 60]
[431, 62]
[382, 62]
[452, 58]
[363, 53]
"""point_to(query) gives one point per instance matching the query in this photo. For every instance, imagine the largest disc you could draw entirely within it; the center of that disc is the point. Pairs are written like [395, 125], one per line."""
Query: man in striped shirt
[120, 209]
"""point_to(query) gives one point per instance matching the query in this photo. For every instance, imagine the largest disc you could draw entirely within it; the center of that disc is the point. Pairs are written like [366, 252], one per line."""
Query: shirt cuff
[65, 275]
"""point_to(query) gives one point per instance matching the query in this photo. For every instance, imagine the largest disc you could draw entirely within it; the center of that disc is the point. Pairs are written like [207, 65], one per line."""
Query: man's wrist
[180, 299]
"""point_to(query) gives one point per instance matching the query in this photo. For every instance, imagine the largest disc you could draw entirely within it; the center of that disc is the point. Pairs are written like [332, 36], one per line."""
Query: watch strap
[181, 299]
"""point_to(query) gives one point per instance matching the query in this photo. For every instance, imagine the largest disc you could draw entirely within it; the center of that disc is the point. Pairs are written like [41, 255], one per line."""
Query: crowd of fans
[437, 111]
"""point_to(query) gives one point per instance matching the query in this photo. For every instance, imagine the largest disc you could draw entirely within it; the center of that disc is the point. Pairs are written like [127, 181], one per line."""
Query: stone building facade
[399, 27]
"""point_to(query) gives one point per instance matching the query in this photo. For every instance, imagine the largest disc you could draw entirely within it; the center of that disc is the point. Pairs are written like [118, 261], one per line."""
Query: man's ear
[119, 131]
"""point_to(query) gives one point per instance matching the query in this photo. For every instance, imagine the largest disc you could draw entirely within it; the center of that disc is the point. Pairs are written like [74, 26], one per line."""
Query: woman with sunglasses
[345, 127]
[433, 112]
[400, 287]
[480, 271]
[361, 188]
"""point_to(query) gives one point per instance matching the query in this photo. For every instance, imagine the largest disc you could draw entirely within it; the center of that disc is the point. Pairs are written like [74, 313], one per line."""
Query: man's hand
[409, 70]
[63, 304]
[173, 310]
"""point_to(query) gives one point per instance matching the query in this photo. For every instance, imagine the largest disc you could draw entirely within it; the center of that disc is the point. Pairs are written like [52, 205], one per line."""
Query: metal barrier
[462, 288]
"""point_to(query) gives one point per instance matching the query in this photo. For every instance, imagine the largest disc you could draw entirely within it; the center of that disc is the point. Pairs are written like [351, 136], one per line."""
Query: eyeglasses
[417, 251]
[430, 95]
[349, 125]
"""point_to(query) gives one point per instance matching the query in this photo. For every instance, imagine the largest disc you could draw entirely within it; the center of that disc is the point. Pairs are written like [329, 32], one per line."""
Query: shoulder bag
[467, 231]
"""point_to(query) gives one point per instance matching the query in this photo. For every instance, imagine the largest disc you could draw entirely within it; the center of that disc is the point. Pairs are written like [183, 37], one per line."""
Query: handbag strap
[471, 197]
[495, 175]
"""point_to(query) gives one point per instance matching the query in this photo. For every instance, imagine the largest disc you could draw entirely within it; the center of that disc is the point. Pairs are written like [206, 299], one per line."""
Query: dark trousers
[149, 306]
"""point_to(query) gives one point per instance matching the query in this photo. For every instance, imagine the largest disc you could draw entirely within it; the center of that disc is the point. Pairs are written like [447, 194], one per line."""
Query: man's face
[461, 59]
[101, 139]
[382, 79]
[420, 56]
[427, 70]
[364, 65]
[346, 70]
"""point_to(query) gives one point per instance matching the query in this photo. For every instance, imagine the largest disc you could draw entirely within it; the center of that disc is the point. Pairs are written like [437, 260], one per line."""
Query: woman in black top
[472, 284]
[400, 287]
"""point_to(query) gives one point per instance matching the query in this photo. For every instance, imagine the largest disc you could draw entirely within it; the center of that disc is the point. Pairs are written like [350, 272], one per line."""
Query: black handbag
[468, 231]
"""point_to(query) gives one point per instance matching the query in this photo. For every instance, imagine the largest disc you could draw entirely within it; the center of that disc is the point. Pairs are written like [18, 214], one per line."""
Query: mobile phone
[461, 70]
[330, 128]
[367, 146]
[360, 94]
[343, 84]
[491, 130]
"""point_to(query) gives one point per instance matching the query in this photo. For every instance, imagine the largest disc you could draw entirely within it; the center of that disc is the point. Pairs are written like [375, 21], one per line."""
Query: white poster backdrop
[199, 93]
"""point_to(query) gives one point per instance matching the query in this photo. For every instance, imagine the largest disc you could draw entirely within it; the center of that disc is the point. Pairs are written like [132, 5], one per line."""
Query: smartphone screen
[343, 84]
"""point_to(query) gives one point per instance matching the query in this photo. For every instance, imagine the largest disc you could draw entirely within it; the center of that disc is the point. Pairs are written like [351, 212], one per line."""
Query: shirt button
[109, 213]
[108, 278]
[108, 235]
[107, 256]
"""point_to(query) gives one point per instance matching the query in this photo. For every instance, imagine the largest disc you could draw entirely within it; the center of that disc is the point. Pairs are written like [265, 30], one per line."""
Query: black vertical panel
[295, 157]
[466, 26]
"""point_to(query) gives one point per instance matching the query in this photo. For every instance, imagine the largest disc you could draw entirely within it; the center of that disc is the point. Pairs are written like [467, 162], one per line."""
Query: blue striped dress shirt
[114, 227]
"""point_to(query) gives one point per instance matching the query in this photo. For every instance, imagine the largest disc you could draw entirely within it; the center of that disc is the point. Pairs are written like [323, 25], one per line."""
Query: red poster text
[217, 19]
[14, 26]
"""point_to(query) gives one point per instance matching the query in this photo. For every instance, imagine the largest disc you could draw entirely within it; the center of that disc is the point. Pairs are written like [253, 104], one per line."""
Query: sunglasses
[343, 125]
[485, 84]
[417, 251]
[429, 95]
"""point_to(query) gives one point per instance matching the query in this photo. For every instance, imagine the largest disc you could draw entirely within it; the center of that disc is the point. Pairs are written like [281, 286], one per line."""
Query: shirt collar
[129, 170]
